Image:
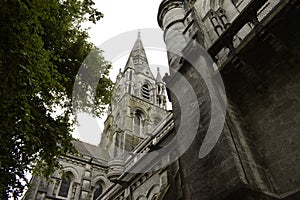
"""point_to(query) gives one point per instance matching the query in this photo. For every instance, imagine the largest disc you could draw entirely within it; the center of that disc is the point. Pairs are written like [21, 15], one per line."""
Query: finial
[139, 33]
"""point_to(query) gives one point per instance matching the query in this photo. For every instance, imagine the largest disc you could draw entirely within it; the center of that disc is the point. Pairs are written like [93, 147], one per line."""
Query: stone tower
[138, 105]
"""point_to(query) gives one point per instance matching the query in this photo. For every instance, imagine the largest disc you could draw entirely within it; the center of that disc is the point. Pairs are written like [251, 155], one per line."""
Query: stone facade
[255, 48]
[86, 172]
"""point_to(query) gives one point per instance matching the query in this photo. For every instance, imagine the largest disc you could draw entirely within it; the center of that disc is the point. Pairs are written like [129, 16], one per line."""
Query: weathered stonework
[138, 106]
[257, 154]
[255, 45]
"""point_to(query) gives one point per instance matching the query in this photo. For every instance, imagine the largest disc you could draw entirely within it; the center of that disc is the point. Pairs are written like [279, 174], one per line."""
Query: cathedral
[234, 65]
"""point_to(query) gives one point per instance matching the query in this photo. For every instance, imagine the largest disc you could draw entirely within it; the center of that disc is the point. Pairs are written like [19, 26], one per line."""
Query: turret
[170, 18]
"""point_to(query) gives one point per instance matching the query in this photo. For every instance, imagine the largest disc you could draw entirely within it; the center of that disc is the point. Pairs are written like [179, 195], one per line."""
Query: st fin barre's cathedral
[255, 47]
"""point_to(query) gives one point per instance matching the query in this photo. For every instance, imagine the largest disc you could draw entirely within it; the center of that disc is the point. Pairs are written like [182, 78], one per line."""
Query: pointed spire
[138, 43]
[138, 59]
[158, 77]
[130, 62]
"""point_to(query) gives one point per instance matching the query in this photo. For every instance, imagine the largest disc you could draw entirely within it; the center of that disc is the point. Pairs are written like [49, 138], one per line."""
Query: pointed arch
[138, 122]
[146, 90]
[74, 172]
[102, 179]
[142, 110]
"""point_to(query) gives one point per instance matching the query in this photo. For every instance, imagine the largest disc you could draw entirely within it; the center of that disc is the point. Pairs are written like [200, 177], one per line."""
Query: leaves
[42, 46]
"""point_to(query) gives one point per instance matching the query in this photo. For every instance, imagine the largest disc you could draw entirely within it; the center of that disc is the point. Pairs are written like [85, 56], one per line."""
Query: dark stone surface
[258, 153]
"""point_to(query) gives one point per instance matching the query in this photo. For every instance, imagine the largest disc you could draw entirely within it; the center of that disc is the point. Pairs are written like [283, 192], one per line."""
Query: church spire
[138, 104]
[138, 59]
[138, 43]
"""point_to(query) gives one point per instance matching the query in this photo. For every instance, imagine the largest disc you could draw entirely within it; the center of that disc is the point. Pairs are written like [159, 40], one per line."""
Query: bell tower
[138, 105]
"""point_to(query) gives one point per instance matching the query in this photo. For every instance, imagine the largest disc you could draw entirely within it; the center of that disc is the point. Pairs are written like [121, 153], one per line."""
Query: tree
[42, 46]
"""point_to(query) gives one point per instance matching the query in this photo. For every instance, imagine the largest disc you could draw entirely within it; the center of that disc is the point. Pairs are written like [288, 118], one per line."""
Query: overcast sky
[121, 18]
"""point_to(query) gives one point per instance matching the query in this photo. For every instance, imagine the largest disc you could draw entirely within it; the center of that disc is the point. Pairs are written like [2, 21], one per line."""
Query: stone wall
[270, 105]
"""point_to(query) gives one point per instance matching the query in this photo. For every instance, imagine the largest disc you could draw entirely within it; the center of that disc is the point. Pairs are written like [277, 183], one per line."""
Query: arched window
[138, 123]
[65, 186]
[98, 190]
[146, 92]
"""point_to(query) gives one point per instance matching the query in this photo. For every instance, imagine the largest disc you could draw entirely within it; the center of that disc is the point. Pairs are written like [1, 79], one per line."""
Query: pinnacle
[158, 77]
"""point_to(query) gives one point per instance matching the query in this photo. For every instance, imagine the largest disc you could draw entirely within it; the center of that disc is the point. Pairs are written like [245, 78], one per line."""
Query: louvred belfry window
[146, 92]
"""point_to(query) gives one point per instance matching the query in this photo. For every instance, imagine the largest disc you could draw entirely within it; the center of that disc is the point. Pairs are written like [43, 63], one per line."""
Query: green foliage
[42, 46]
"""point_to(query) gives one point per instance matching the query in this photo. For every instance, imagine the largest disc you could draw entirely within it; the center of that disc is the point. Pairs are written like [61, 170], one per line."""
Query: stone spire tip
[139, 33]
